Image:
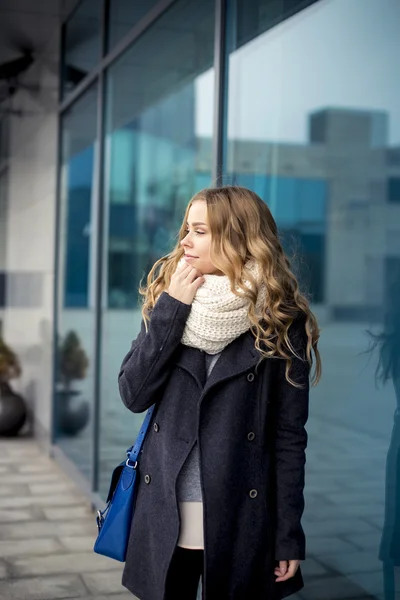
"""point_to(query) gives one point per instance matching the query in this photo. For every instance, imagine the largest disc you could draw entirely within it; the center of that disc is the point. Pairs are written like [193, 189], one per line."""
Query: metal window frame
[98, 74]
[99, 232]
[220, 92]
[107, 59]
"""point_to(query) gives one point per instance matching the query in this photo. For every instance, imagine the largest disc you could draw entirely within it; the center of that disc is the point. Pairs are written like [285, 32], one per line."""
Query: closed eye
[198, 232]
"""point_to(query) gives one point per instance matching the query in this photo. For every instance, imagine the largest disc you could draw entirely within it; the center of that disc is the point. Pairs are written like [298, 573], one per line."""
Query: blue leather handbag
[114, 522]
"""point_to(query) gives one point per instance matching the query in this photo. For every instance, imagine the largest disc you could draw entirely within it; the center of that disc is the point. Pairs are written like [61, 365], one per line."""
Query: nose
[186, 241]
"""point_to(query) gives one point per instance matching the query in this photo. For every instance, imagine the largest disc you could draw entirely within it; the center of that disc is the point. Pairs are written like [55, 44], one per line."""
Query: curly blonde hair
[243, 229]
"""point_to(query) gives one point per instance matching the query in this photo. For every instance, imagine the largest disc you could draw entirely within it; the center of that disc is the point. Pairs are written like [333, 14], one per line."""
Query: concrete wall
[29, 247]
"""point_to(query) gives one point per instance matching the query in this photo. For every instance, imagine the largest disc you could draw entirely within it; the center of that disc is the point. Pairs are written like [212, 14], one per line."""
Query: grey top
[188, 485]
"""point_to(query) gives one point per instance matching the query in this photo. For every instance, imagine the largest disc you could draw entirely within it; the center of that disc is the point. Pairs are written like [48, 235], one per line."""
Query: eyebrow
[197, 223]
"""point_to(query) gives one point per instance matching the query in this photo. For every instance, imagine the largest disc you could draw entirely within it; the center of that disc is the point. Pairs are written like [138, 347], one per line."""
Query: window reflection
[82, 45]
[313, 126]
[3, 237]
[73, 402]
[155, 92]
[123, 15]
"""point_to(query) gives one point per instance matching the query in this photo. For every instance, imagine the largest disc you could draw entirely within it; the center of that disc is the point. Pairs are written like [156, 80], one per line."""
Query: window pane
[82, 44]
[159, 104]
[314, 127]
[3, 238]
[76, 322]
[123, 15]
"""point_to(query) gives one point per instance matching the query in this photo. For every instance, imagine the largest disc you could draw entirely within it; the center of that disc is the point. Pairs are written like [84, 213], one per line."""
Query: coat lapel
[239, 356]
[193, 361]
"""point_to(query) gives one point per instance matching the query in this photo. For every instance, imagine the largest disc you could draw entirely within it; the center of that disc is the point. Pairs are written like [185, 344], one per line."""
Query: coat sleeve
[290, 445]
[146, 367]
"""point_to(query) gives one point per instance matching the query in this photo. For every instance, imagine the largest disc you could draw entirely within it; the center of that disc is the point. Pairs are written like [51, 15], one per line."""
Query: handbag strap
[134, 451]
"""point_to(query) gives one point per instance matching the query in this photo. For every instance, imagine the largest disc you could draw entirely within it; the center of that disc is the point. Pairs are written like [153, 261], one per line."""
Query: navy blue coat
[252, 484]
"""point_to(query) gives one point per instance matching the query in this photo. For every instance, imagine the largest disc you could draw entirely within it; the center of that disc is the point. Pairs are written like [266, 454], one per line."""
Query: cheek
[206, 248]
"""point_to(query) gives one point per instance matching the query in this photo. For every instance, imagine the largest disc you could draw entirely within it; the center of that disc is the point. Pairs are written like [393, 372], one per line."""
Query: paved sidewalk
[47, 531]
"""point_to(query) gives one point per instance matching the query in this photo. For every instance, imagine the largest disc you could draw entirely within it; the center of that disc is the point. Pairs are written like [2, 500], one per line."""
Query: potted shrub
[12, 406]
[72, 413]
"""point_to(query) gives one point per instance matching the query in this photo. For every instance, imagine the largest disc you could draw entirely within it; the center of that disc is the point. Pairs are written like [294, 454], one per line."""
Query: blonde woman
[225, 352]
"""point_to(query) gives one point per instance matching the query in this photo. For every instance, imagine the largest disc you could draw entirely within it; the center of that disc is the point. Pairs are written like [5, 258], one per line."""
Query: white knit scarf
[218, 316]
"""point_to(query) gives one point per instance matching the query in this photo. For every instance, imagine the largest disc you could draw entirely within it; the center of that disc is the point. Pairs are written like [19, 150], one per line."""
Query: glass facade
[4, 153]
[307, 116]
[123, 15]
[151, 157]
[308, 131]
[74, 401]
[81, 44]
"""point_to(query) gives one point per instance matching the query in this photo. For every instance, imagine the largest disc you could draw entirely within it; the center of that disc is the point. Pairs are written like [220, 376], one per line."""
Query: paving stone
[42, 588]
[333, 588]
[61, 500]
[320, 545]
[376, 522]
[43, 529]
[76, 512]
[9, 516]
[31, 451]
[28, 547]
[13, 490]
[324, 512]
[4, 469]
[354, 562]
[17, 478]
[106, 582]
[311, 567]
[40, 467]
[366, 541]
[50, 488]
[3, 571]
[16, 460]
[356, 497]
[374, 511]
[63, 563]
[337, 527]
[372, 583]
[125, 596]
[79, 543]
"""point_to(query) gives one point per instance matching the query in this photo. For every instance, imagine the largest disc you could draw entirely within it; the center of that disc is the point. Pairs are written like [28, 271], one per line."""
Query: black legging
[184, 574]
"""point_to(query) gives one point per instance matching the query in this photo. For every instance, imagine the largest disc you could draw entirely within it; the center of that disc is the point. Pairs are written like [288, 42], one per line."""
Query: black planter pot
[72, 413]
[12, 411]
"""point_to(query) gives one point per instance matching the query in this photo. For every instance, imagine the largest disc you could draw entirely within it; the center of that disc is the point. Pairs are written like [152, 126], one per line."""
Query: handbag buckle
[131, 466]
[99, 520]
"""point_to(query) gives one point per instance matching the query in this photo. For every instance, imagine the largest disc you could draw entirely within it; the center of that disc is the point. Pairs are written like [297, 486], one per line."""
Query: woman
[224, 352]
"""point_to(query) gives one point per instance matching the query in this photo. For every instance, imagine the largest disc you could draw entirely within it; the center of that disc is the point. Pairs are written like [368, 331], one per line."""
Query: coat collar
[239, 356]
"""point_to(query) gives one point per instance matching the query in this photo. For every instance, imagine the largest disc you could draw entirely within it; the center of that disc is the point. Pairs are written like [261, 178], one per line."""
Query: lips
[190, 256]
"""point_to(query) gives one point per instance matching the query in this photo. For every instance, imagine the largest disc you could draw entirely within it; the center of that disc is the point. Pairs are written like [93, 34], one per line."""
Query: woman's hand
[286, 569]
[184, 283]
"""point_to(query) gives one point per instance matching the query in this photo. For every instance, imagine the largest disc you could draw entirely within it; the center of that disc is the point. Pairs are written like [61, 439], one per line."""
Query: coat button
[147, 478]
[253, 493]
[250, 436]
[156, 427]
[250, 377]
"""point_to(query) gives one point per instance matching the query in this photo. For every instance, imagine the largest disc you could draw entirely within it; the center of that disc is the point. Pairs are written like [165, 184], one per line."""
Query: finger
[180, 272]
[197, 282]
[293, 566]
[182, 266]
[283, 566]
[192, 275]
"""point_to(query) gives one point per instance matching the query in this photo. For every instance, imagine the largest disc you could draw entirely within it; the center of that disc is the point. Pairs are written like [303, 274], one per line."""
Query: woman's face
[197, 242]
